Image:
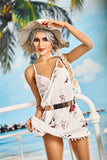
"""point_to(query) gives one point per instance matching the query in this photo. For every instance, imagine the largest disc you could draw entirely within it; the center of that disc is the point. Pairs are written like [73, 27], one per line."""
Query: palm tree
[75, 4]
[7, 37]
[20, 12]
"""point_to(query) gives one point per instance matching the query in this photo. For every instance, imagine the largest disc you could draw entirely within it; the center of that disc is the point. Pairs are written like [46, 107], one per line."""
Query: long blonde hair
[75, 84]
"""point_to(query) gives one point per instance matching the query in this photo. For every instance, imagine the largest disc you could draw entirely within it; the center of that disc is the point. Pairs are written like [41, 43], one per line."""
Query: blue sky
[90, 69]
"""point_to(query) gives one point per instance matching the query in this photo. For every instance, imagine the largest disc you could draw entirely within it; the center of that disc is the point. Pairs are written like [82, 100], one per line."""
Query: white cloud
[88, 70]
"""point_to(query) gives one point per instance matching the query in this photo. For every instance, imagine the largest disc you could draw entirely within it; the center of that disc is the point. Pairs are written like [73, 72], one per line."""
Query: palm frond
[77, 4]
[6, 49]
[52, 12]
[6, 9]
[24, 13]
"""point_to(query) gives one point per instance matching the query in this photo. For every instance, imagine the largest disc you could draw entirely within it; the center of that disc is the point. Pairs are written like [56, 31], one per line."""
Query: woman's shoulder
[29, 71]
[29, 68]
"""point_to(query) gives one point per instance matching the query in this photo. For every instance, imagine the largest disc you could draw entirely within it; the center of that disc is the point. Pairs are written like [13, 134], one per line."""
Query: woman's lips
[41, 49]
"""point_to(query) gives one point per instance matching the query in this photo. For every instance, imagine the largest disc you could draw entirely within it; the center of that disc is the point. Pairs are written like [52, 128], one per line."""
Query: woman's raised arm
[86, 45]
[77, 52]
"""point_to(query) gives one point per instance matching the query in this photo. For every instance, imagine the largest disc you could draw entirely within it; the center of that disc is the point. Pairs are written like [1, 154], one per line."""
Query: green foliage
[24, 12]
[79, 4]
[7, 42]
[20, 12]
[6, 9]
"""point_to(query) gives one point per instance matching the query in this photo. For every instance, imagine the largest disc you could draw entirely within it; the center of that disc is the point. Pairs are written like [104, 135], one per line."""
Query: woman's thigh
[53, 147]
[81, 149]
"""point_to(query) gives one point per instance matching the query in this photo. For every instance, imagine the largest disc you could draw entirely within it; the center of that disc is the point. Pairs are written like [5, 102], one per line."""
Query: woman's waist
[59, 105]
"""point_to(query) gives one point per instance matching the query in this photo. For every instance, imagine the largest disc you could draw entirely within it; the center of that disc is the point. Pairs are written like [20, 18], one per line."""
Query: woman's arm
[86, 45]
[77, 52]
[29, 75]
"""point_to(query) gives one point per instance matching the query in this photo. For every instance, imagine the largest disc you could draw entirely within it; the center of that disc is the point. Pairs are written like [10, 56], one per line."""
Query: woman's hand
[38, 115]
[54, 23]
[29, 125]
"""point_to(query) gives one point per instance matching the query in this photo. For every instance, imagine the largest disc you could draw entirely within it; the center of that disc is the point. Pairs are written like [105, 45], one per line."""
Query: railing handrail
[33, 103]
[17, 107]
[15, 134]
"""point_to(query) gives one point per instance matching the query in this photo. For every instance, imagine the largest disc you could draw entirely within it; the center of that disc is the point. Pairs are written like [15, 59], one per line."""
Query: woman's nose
[40, 43]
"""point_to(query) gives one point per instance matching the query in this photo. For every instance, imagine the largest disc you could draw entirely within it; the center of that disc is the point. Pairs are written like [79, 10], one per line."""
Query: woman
[57, 115]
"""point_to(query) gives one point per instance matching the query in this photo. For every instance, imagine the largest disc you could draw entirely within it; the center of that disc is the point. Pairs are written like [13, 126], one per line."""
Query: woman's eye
[45, 39]
[36, 39]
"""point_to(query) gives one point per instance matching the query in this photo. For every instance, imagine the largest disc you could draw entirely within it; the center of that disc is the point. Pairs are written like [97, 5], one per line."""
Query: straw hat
[23, 35]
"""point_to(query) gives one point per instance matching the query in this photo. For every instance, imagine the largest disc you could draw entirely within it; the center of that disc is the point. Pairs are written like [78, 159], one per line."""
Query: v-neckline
[52, 71]
[43, 76]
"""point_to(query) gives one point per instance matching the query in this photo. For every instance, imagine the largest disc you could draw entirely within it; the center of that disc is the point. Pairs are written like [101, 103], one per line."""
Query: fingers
[54, 23]
[29, 125]
[49, 22]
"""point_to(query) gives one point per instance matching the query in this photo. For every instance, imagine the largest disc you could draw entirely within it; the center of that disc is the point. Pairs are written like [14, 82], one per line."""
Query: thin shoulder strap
[56, 62]
[61, 62]
[35, 69]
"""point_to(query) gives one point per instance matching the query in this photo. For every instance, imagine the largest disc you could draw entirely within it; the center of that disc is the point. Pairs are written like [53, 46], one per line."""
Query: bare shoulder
[29, 72]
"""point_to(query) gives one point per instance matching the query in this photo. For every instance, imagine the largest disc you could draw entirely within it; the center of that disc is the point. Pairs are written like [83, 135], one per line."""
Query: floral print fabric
[66, 122]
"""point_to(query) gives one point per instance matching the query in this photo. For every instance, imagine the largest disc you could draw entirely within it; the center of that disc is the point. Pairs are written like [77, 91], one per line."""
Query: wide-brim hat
[23, 35]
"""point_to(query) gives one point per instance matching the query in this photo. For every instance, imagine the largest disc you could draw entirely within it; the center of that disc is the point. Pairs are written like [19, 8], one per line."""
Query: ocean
[33, 148]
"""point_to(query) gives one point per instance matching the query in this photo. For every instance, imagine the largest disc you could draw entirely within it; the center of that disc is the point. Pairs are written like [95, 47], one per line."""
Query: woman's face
[41, 44]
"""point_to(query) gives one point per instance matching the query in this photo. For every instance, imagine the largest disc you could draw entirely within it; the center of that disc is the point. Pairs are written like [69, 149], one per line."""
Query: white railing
[94, 118]
[17, 107]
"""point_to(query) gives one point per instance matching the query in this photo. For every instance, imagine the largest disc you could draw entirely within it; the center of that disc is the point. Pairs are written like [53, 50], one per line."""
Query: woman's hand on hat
[54, 23]
[29, 125]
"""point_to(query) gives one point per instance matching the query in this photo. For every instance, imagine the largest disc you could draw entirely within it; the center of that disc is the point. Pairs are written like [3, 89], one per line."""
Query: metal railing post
[94, 118]
[18, 138]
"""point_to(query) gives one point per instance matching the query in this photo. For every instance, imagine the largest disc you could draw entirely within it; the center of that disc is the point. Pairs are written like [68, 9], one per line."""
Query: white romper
[65, 122]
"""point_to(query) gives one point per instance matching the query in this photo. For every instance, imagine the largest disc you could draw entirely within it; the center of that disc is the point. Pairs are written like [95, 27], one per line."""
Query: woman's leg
[53, 147]
[81, 148]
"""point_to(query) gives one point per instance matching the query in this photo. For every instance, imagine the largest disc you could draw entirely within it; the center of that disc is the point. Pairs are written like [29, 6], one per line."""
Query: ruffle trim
[75, 139]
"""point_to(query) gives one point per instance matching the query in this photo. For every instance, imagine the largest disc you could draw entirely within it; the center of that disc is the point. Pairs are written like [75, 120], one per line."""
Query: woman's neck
[44, 58]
